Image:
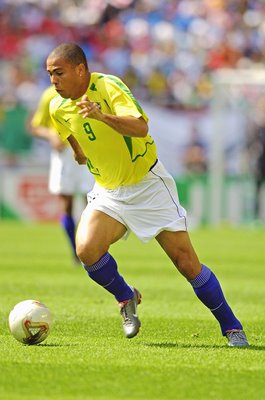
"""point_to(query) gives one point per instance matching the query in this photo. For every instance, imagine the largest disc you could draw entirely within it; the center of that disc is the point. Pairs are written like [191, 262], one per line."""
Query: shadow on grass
[255, 347]
[56, 345]
[182, 346]
[200, 346]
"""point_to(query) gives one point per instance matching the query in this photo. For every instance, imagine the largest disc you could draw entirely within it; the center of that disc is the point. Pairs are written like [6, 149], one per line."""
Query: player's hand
[88, 108]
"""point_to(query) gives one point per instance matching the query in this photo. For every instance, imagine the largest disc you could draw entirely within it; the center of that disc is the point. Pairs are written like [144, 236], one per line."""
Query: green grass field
[179, 353]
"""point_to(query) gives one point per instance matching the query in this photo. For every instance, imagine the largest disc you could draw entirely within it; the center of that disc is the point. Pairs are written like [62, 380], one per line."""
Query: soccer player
[108, 130]
[66, 178]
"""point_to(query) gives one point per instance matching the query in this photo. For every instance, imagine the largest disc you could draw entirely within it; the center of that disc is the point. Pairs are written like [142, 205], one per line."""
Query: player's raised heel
[128, 311]
[237, 338]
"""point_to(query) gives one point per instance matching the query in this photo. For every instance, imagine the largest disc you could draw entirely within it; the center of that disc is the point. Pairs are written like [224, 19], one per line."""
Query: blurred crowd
[165, 50]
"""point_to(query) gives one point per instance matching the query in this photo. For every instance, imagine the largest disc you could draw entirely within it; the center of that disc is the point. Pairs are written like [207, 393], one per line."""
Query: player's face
[65, 77]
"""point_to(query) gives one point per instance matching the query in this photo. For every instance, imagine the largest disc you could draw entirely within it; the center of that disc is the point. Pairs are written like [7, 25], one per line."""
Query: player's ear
[80, 69]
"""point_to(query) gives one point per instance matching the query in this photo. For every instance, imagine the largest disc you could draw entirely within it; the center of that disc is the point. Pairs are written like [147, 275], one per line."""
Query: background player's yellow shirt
[113, 159]
[42, 116]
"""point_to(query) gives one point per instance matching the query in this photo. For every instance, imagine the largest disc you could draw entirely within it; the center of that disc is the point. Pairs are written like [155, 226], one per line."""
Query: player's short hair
[70, 52]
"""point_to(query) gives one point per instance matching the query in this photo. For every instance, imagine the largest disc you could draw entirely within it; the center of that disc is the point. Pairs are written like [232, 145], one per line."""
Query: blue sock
[208, 290]
[69, 226]
[105, 273]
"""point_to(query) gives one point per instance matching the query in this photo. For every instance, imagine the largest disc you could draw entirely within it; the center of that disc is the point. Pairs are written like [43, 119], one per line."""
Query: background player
[66, 178]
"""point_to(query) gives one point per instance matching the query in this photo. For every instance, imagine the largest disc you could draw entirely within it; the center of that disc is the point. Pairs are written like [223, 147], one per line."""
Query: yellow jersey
[114, 160]
[42, 116]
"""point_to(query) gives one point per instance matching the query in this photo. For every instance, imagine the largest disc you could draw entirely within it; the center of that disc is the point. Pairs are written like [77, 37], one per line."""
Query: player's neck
[82, 88]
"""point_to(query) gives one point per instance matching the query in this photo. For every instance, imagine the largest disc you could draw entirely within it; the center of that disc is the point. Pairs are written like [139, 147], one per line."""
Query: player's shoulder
[100, 81]
[49, 93]
[50, 90]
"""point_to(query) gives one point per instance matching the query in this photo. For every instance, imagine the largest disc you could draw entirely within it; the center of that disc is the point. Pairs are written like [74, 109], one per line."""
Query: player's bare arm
[78, 152]
[125, 125]
[56, 142]
[47, 134]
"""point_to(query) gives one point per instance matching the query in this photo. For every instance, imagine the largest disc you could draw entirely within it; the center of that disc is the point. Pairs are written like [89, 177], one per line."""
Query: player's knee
[88, 253]
[83, 252]
[187, 263]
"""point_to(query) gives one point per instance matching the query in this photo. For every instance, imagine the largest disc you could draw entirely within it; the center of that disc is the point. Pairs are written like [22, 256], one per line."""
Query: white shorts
[67, 176]
[146, 208]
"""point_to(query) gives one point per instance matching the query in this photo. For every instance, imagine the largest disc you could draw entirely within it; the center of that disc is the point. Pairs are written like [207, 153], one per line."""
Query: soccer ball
[30, 322]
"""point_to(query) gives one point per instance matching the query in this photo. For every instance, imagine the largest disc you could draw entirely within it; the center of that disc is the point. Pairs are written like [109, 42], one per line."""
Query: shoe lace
[125, 311]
